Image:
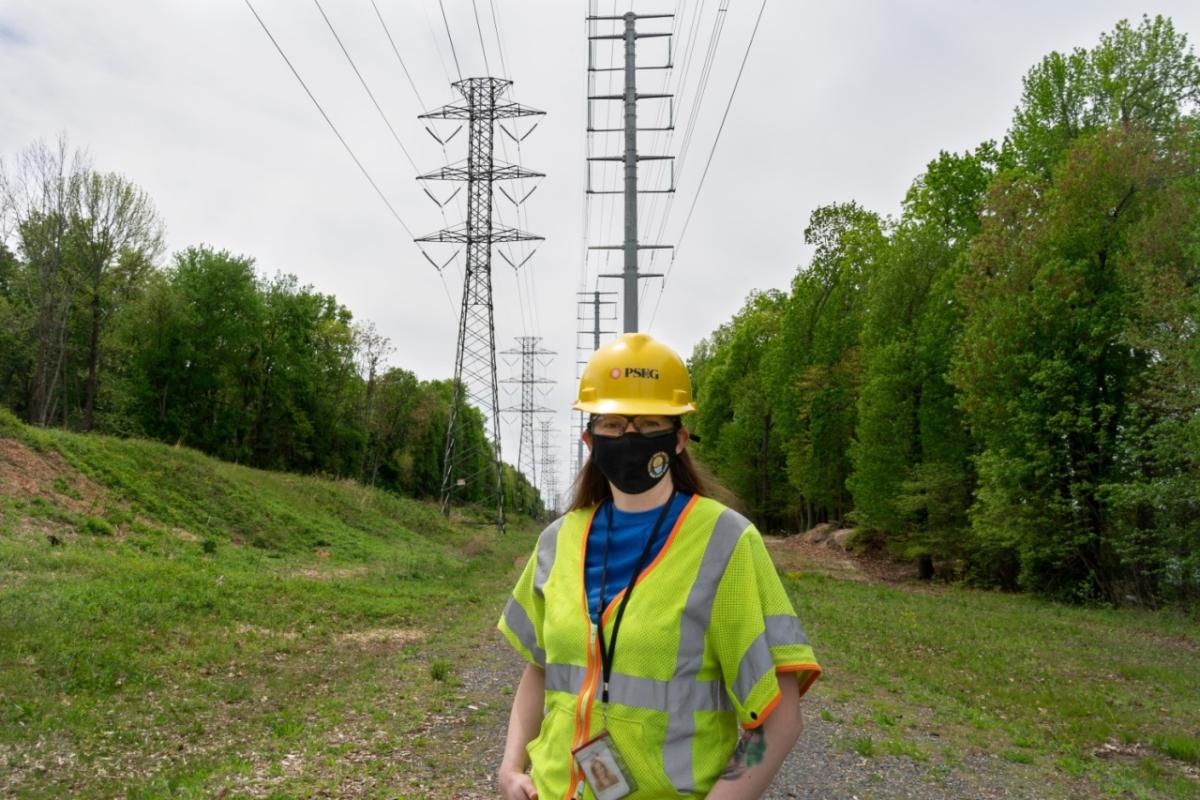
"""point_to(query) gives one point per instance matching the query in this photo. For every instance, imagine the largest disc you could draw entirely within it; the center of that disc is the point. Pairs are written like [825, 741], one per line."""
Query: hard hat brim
[630, 407]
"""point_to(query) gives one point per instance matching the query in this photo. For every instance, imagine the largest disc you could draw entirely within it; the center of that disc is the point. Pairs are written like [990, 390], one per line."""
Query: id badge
[604, 769]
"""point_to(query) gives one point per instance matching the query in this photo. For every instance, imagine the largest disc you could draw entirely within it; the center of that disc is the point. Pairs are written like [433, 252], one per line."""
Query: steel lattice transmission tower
[475, 356]
[549, 466]
[591, 313]
[531, 358]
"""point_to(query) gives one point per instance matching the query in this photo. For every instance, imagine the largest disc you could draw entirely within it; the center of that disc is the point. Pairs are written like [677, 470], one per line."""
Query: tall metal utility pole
[591, 309]
[530, 354]
[630, 158]
[465, 468]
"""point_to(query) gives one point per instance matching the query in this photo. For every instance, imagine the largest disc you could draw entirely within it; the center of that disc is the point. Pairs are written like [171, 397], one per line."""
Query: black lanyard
[607, 654]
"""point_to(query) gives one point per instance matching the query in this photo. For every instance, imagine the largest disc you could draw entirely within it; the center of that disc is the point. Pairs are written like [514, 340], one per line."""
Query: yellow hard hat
[635, 374]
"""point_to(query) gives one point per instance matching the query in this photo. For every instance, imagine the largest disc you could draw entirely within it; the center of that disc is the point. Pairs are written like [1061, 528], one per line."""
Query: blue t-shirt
[628, 537]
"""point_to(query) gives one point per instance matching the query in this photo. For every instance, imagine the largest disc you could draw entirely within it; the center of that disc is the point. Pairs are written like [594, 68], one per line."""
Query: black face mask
[634, 463]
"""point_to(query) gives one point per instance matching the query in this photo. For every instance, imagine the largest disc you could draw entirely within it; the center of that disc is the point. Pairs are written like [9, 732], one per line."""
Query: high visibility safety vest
[702, 639]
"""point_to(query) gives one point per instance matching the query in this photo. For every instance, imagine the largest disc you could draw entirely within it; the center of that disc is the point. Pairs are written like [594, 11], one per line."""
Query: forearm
[525, 720]
[761, 751]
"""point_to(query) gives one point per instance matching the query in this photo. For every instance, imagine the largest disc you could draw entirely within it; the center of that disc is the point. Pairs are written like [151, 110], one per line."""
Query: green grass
[201, 626]
[1042, 686]
[204, 628]
[1180, 746]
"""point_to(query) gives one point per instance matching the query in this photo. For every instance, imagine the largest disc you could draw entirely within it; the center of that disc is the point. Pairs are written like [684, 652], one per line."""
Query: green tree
[1147, 77]
[912, 477]
[813, 376]
[116, 236]
[735, 420]
[1044, 367]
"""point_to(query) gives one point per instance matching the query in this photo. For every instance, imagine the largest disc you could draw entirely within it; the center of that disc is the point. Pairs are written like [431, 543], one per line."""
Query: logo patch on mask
[658, 464]
[640, 372]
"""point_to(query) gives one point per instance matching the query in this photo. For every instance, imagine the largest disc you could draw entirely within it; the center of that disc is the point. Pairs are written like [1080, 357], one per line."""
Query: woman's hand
[516, 785]
[523, 725]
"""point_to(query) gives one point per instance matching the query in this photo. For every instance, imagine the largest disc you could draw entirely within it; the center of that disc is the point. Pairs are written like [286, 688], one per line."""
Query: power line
[499, 40]
[436, 44]
[708, 163]
[329, 122]
[663, 139]
[482, 46]
[366, 88]
[345, 144]
[702, 84]
[453, 52]
[399, 57]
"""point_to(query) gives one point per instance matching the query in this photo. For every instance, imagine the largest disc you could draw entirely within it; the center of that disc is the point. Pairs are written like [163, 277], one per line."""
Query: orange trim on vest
[583, 708]
[766, 712]
[591, 680]
[814, 672]
[612, 604]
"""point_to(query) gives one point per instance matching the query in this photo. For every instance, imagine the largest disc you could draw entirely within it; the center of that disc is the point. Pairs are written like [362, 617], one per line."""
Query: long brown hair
[591, 487]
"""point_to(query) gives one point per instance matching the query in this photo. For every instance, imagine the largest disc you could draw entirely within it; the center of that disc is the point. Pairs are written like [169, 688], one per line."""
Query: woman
[657, 634]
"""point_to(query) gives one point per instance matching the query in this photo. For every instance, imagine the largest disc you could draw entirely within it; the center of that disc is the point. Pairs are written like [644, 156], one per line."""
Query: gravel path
[819, 768]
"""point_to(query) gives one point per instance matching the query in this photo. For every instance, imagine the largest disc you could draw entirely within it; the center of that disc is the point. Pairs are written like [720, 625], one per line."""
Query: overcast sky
[839, 101]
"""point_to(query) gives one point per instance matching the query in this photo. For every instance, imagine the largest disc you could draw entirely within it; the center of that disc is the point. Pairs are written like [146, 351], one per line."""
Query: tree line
[1003, 382]
[202, 351]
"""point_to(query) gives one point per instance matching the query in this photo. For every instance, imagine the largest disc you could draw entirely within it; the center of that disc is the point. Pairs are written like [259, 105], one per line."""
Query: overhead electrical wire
[371, 94]
[702, 83]
[482, 46]
[706, 71]
[708, 163]
[366, 88]
[437, 45]
[346, 145]
[499, 40]
[399, 57]
[664, 139]
[329, 122]
[453, 51]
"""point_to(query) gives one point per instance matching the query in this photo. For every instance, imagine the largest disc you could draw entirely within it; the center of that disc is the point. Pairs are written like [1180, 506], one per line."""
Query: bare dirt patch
[329, 573]
[822, 551]
[43, 528]
[382, 636]
[26, 473]
[184, 535]
[1134, 751]
[256, 630]
[475, 546]
[1137, 751]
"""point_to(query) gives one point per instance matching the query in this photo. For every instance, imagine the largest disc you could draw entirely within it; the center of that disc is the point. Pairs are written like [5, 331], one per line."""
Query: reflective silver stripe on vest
[519, 623]
[647, 693]
[755, 663]
[565, 678]
[784, 629]
[547, 547]
[681, 724]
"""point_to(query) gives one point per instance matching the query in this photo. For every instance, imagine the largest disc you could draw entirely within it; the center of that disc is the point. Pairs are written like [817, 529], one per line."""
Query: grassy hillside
[171, 626]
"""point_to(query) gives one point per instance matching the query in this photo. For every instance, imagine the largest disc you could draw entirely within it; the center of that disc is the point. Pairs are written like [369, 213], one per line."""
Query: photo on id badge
[603, 770]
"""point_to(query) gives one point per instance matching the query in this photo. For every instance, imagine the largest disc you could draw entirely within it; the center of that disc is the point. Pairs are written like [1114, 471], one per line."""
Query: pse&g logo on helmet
[634, 372]
[658, 464]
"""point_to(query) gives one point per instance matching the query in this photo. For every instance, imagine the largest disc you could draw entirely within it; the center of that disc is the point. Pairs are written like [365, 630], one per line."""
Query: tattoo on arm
[749, 752]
